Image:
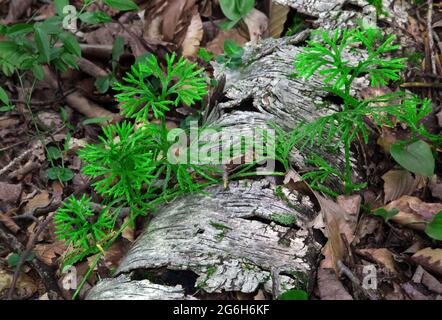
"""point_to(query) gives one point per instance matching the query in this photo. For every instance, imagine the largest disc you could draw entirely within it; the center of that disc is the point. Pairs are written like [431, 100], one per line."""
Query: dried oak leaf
[381, 256]
[193, 36]
[398, 183]
[413, 211]
[9, 223]
[49, 253]
[430, 259]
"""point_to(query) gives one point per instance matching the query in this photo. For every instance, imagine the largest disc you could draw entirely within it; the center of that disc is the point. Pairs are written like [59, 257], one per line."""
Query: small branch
[430, 35]
[91, 68]
[15, 161]
[48, 102]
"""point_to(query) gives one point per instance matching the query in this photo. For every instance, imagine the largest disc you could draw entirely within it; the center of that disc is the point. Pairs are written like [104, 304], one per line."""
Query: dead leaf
[382, 256]
[41, 200]
[436, 187]
[338, 223]
[10, 192]
[398, 183]
[422, 276]
[25, 286]
[257, 24]
[115, 253]
[329, 286]
[413, 211]
[430, 259]
[9, 223]
[278, 17]
[128, 233]
[6, 122]
[16, 9]
[49, 253]
[193, 37]
[386, 139]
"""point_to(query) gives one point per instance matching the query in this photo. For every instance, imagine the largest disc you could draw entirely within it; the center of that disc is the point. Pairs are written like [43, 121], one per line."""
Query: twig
[430, 34]
[15, 161]
[45, 103]
[421, 85]
[26, 252]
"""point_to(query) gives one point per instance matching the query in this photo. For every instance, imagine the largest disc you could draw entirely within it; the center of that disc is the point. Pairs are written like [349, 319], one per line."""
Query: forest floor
[43, 123]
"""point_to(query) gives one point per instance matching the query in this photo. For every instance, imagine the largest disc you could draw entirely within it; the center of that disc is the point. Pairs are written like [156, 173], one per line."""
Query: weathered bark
[230, 238]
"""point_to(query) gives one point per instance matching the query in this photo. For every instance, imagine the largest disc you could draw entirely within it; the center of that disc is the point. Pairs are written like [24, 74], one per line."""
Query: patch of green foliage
[329, 58]
[235, 10]
[232, 56]
[284, 219]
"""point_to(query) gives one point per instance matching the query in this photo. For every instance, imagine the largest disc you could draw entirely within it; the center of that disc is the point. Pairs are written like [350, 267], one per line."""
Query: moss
[284, 219]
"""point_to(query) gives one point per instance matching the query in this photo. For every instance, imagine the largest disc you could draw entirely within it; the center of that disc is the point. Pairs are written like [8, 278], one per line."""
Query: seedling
[232, 57]
[235, 10]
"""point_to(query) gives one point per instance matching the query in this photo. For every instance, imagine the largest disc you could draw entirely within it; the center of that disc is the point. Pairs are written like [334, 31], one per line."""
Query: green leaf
[387, 215]
[96, 120]
[102, 83]
[207, 56]
[59, 173]
[232, 49]
[7, 108]
[42, 43]
[59, 5]
[14, 258]
[229, 24]
[118, 48]
[95, 17]
[236, 9]
[19, 29]
[37, 71]
[53, 153]
[122, 5]
[434, 227]
[4, 96]
[415, 157]
[294, 295]
[70, 43]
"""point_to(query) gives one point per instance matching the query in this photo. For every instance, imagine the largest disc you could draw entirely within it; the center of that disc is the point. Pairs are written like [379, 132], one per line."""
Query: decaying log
[229, 238]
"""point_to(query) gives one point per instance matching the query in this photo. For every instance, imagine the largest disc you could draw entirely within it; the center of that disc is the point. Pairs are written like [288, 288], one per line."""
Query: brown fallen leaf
[115, 253]
[128, 233]
[9, 223]
[382, 256]
[413, 292]
[16, 9]
[424, 277]
[10, 192]
[413, 212]
[217, 44]
[339, 223]
[41, 200]
[329, 286]
[398, 183]
[430, 259]
[257, 24]
[49, 253]
[278, 17]
[193, 36]
[435, 186]
[24, 288]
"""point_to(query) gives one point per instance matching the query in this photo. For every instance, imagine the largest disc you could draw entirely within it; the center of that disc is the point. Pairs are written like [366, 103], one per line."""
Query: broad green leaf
[103, 83]
[434, 227]
[236, 9]
[294, 295]
[228, 7]
[4, 96]
[387, 215]
[59, 5]
[70, 43]
[415, 157]
[118, 48]
[59, 173]
[95, 17]
[7, 108]
[53, 153]
[42, 43]
[122, 5]
[232, 49]
[19, 29]
[96, 120]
